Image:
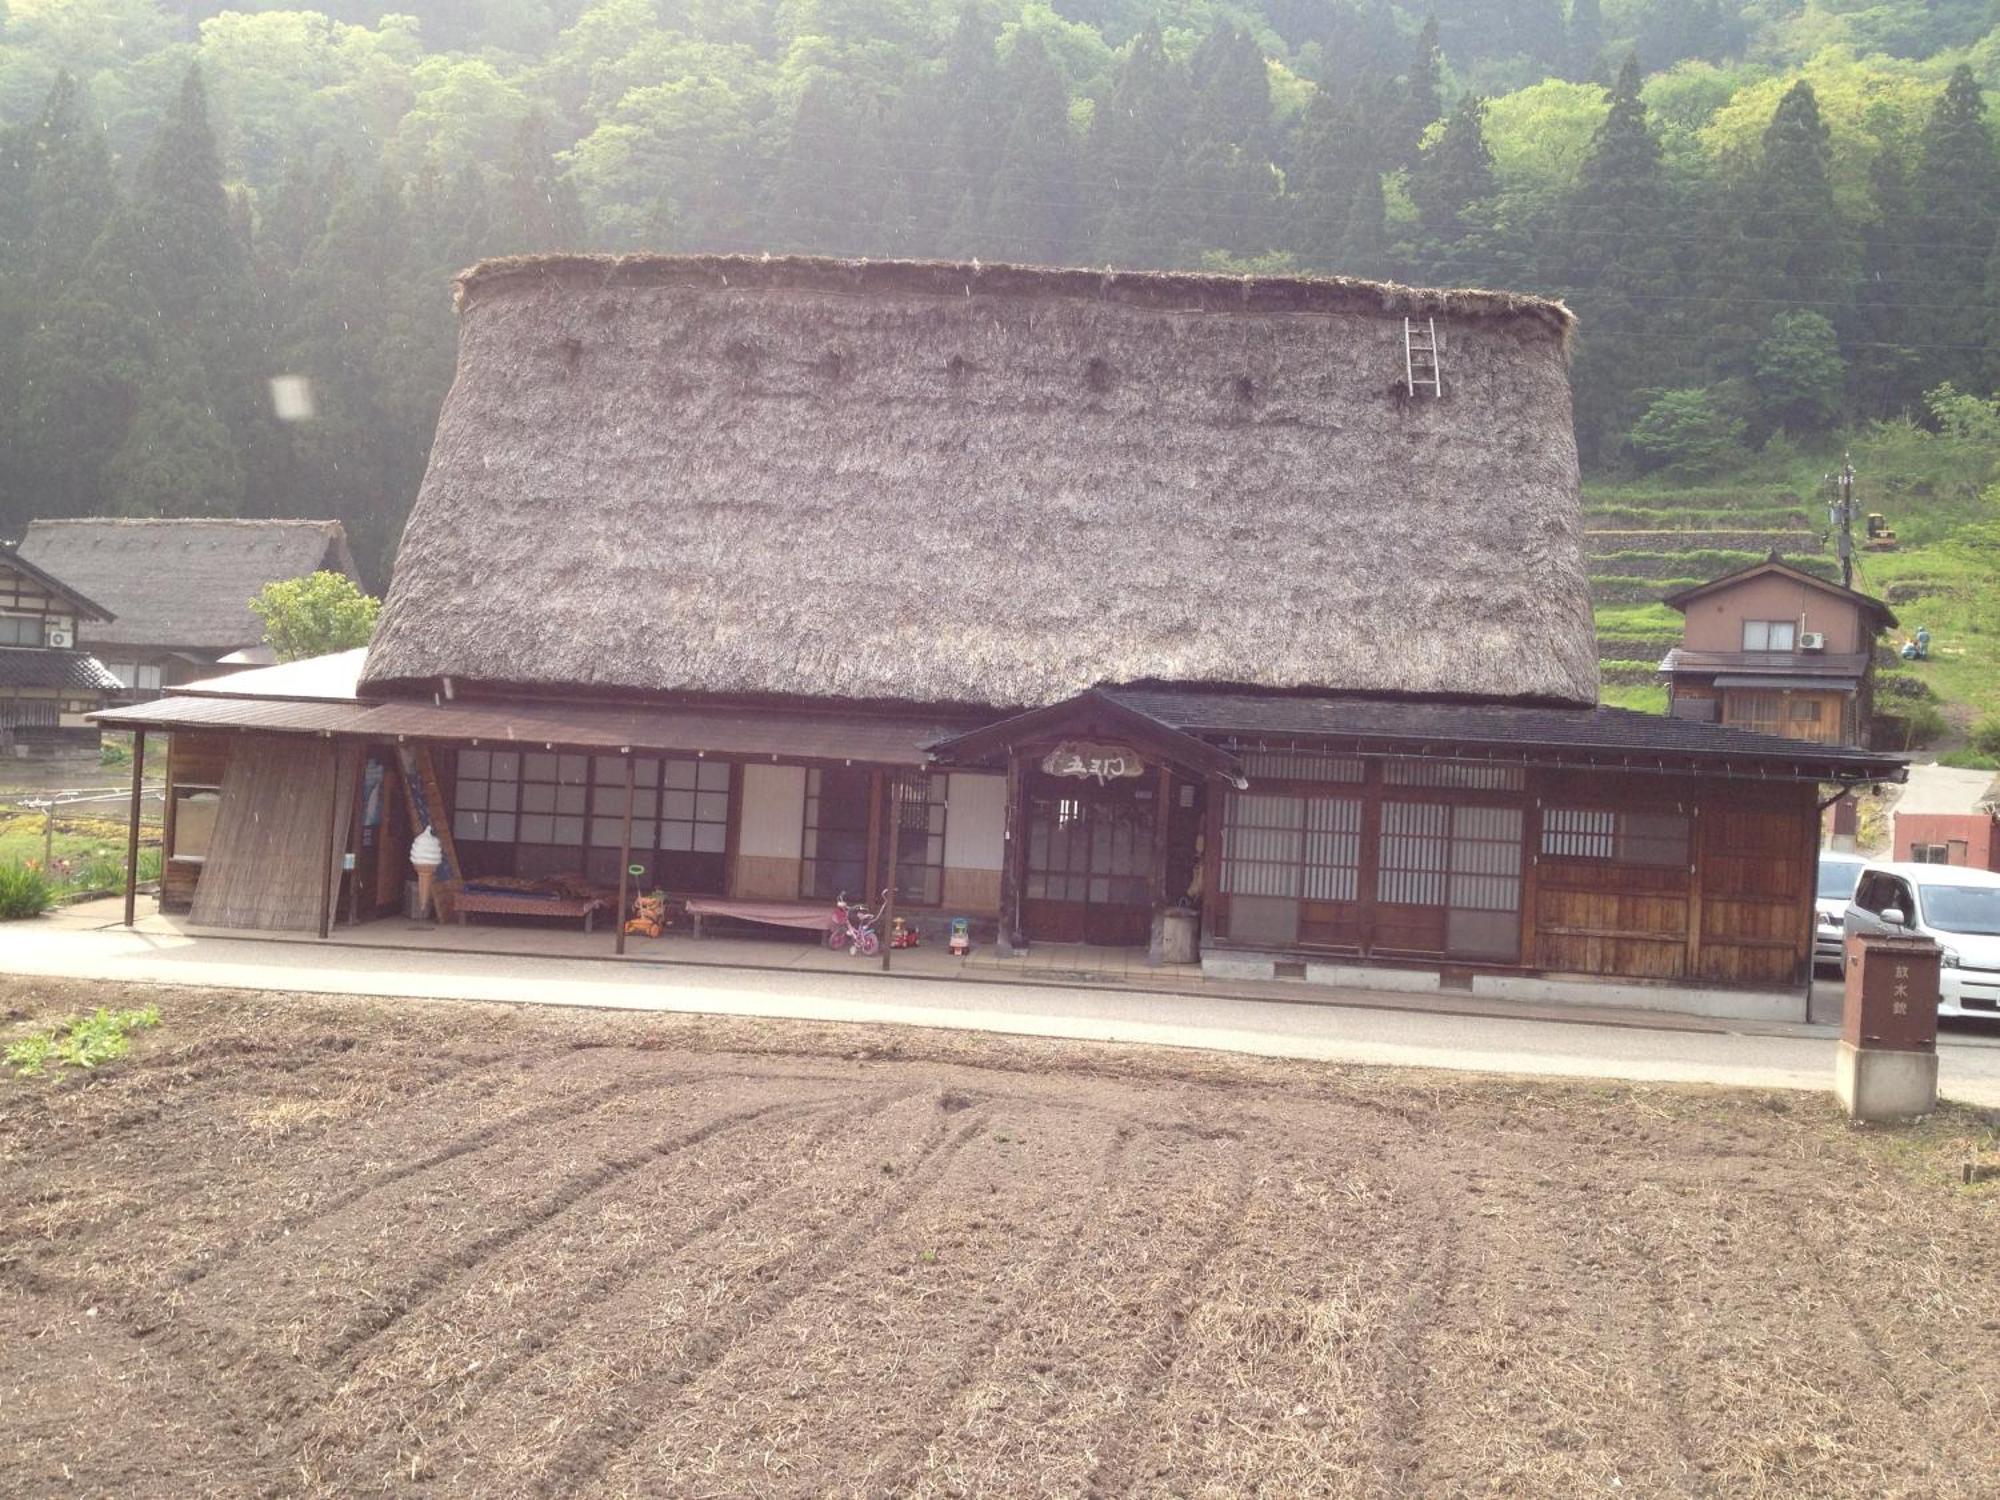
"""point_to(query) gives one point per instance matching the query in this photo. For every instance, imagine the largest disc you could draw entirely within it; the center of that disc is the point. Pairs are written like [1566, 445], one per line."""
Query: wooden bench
[499, 904]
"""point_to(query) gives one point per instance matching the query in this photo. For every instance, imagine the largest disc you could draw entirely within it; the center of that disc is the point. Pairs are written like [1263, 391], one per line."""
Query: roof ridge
[1176, 291]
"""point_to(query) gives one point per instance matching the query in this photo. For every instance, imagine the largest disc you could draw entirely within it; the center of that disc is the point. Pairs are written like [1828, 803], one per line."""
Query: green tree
[1031, 213]
[1800, 374]
[1957, 214]
[1801, 256]
[1686, 433]
[1454, 171]
[1584, 52]
[1422, 98]
[315, 615]
[1619, 267]
[1884, 373]
[177, 457]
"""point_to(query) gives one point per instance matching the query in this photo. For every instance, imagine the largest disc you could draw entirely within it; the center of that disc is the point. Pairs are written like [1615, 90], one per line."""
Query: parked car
[1957, 908]
[1838, 875]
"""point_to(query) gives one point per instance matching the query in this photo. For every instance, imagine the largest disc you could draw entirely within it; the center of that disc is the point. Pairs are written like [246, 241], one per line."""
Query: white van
[1839, 874]
[1957, 908]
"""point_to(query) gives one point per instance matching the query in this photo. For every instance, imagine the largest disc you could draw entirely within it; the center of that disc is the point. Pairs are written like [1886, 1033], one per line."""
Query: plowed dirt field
[315, 1247]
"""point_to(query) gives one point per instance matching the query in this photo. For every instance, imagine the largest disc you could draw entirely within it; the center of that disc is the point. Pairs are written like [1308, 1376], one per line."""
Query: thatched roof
[182, 583]
[989, 484]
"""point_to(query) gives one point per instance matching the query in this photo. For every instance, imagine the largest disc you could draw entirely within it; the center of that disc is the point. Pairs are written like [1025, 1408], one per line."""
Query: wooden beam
[1162, 817]
[625, 850]
[132, 832]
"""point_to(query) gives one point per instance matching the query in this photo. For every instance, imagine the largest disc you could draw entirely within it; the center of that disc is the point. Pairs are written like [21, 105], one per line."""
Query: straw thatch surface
[182, 582]
[990, 485]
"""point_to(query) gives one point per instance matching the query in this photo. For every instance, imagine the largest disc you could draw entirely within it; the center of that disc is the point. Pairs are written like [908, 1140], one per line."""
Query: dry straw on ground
[329, 1247]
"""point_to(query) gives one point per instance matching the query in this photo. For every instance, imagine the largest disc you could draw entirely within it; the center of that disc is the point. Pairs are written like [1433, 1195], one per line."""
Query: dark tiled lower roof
[1485, 726]
[33, 667]
[1767, 663]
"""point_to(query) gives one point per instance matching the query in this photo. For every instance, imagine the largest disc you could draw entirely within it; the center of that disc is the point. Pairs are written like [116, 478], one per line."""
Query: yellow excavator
[1881, 535]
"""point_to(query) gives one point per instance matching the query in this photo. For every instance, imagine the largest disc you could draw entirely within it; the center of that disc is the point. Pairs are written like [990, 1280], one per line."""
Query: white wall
[774, 811]
[975, 823]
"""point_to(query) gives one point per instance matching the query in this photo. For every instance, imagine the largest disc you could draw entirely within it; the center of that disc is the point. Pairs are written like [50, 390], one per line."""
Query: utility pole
[1841, 513]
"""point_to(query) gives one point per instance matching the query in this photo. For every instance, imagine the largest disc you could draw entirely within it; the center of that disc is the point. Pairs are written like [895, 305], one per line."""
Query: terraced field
[309, 1247]
[1641, 547]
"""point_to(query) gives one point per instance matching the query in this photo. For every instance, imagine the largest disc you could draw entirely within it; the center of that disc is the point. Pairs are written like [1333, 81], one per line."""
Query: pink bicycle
[854, 928]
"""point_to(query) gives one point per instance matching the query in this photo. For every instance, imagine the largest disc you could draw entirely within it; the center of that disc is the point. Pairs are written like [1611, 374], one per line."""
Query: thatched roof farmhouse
[1240, 619]
[183, 583]
[996, 485]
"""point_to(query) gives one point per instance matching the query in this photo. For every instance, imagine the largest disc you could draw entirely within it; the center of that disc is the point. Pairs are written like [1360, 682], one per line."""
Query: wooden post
[326, 849]
[132, 833]
[1010, 865]
[357, 809]
[871, 866]
[882, 922]
[1697, 863]
[1162, 823]
[625, 850]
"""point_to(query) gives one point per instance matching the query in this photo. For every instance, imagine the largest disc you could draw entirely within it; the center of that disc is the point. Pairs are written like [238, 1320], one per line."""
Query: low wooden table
[814, 916]
[496, 904]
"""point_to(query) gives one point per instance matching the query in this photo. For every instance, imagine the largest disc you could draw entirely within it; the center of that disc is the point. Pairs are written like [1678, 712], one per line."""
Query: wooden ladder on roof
[424, 799]
[1421, 369]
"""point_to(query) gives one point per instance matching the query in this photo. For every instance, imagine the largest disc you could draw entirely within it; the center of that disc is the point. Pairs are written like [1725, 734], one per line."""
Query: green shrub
[24, 892]
[1986, 735]
[1923, 724]
[1970, 760]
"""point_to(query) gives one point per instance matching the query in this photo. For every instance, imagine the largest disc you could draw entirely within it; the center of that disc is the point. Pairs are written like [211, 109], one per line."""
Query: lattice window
[1623, 838]
[1474, 775]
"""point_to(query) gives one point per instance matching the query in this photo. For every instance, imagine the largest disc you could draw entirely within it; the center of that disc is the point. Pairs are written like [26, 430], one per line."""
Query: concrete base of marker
[1875, 1084]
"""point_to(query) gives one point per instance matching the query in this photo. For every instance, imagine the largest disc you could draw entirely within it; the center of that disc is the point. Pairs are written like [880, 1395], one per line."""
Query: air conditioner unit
[60, 639]
[1812, 640]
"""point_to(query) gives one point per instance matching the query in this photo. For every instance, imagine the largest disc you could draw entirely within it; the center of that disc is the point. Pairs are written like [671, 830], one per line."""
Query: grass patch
[1642, 697]
[1957, 1148]
[80, 1041]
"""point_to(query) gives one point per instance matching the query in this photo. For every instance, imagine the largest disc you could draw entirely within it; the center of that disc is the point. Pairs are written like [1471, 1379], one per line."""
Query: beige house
[1774, 649]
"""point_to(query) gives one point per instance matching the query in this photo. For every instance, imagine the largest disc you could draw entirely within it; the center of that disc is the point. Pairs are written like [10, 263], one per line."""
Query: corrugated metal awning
[778, 734]
[269, 715]
[1788, 684]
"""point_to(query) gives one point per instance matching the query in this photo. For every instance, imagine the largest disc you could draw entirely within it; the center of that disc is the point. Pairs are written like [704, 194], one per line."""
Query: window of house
[1453, 773]
[1763, 713]
[486, 799]
[1291, 847]
[1805, 710]
[1930, 854]
[919, 802]
[554, 798]
[20, 630]
[1769, 635]
[124, 671]
[145, 676]
[1620, 838]
[836, 832]
[194, 821]
[607, 802]
[694, 806]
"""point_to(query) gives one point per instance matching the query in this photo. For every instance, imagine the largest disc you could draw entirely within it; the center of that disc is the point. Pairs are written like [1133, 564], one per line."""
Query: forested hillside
[1776, 219]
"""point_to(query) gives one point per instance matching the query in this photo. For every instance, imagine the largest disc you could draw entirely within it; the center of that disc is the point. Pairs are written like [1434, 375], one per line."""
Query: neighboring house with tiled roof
[178, 591]
[47, 684]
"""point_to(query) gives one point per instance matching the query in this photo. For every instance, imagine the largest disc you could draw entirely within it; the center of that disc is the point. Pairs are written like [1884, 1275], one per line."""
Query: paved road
[1341, 1027]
